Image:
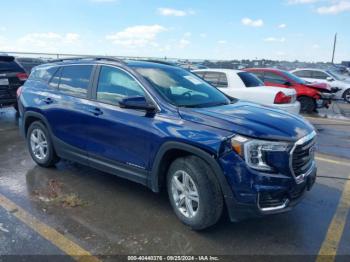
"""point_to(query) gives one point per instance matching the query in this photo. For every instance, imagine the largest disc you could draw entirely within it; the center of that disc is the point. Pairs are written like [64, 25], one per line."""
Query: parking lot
[75, 210]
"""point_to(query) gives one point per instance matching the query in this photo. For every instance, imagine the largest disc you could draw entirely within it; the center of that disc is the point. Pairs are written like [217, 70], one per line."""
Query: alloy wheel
[38, 144]
[185, 194]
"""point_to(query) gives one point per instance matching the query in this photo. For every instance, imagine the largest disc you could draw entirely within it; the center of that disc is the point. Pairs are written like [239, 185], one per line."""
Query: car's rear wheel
[346, 96]
[307, 104]
[194, 192]
[40, 145]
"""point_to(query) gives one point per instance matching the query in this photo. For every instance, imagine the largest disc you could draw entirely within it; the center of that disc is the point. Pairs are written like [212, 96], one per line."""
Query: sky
[197, 29]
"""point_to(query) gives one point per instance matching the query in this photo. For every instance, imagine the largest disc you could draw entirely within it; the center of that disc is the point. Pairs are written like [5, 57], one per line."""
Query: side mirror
[330, 79]
[137, 102]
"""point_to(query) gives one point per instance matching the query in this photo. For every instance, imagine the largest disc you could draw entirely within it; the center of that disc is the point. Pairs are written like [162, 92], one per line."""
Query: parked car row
[339, 83]
[246, 86]
[164, 127]
[13, 73]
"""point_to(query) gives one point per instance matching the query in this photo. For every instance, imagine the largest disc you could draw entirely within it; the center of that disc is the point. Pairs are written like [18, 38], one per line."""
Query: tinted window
[183, 88]
[55, 80]
[274, 78]
[75, 80]
[319, 75]
[43, 74]
[259, 75]
[200, 74]
[216, 79]
[303, 73]
[250, 80]
[115, 85]
[8, 64]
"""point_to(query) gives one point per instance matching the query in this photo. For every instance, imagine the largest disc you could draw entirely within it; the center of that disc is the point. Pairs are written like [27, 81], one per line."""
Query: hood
[320, 86]
[251, 120]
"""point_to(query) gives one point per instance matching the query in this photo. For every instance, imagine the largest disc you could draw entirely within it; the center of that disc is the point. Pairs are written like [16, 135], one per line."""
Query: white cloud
[275, 39]
[183, 43]
[174, 12]
[254, 23]
[188, 34]
[137, 36]
[222, 42]
[281, 26]
[203, 35]
[335, 8]
[296, 2]
[3, 28]
[49, 39]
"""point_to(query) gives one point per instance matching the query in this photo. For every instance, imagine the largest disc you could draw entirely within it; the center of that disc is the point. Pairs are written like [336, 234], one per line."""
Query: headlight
[254, 151]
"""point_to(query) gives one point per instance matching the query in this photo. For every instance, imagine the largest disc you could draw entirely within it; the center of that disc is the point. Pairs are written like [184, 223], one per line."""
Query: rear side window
[43, 74]
[8, 64]
[303, 73]
[274, 78]
[55, 80]
[75, 80]
[250, 80]
[259, 75]
[217, 79]
[319, 75]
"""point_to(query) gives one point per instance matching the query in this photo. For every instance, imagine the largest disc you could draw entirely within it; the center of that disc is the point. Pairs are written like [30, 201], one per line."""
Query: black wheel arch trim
[36, 115]
[207, 157]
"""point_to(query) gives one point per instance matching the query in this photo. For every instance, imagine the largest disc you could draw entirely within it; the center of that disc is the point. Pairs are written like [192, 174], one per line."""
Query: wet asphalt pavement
[107, 215]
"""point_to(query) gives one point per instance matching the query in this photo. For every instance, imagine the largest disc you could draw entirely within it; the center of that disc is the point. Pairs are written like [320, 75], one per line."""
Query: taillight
[19, 91]
[281, 98]
[22, 76]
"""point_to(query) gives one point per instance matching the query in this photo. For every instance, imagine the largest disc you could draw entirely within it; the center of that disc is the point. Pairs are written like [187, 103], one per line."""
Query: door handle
[48, 100]
[96, 111]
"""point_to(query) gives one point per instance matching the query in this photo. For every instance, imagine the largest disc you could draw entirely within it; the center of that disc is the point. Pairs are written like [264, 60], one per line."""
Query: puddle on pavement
[52, 191]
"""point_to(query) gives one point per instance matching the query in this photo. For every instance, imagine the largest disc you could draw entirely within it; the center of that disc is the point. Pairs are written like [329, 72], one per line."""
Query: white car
[246, 86]
[329, 77]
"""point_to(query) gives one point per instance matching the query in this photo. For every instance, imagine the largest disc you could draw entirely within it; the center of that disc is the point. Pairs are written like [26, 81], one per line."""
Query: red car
[310, 95]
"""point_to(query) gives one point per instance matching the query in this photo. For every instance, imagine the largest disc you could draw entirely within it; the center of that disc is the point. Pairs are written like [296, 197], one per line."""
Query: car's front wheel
[194, 192]
[346, 96]
[40, 145]
[307, 104]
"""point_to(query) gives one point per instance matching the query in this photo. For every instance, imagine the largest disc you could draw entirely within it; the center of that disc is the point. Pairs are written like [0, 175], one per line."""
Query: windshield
[294, 78]
[182, 88]
[335, 75]
[250, 80]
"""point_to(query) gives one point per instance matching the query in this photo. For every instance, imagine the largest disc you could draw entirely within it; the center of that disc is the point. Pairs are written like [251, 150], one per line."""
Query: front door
[118, 136]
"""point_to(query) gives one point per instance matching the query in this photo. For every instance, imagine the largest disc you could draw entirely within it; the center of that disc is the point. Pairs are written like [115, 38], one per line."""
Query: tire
[346, 96]
[38, 134]
[15, 106]
[308, 104]
[202, 180]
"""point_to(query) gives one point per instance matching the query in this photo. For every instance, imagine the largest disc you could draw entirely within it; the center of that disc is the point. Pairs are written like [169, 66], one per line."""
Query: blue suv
[164, 127]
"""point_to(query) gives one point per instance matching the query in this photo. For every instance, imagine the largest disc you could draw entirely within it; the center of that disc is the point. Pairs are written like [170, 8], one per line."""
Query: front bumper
[257, 194]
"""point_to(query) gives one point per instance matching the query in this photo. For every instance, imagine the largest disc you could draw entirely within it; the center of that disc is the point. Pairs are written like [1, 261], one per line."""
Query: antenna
[334, 46]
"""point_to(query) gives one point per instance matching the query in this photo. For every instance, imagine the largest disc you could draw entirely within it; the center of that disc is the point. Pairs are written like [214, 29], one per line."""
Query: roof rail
[96, 58]
[157, 61]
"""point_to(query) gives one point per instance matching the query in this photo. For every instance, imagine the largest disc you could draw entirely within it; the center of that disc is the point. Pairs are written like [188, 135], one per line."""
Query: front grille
[303, 157]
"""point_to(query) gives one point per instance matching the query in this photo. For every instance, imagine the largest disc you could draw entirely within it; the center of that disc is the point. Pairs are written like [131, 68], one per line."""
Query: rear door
[12, 76]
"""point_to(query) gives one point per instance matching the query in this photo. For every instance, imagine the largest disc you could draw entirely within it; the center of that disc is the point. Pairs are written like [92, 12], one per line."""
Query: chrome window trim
[300, 179]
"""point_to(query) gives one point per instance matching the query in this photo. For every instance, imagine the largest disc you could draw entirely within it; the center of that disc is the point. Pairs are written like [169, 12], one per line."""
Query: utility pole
[334, 45]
